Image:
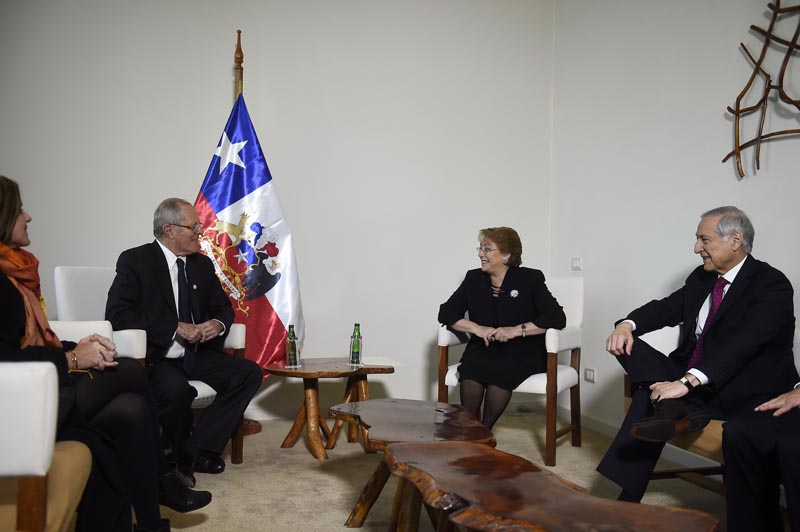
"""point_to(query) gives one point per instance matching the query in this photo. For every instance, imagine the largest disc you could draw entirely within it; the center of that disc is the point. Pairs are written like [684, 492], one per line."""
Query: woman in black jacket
[509, 309]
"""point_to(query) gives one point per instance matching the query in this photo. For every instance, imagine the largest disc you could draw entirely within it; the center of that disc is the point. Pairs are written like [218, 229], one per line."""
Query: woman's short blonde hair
[507, 241]
[10, 207]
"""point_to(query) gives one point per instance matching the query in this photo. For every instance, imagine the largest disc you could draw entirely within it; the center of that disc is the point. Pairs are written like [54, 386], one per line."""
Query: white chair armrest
[557, 340]
[75, 330]
[28, 408]
[131, 343]
[450, 338]
[235, 338]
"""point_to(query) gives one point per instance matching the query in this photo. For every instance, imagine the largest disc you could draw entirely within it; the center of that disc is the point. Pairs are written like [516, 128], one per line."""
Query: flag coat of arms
[248, 239]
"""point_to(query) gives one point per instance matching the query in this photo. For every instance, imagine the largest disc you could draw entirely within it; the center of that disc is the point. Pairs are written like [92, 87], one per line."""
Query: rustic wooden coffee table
[311, 370]
[387, 421]
[480, 488]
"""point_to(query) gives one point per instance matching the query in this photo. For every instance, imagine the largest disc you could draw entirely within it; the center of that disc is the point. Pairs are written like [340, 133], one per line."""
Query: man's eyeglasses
[485, 250]
[196, 228]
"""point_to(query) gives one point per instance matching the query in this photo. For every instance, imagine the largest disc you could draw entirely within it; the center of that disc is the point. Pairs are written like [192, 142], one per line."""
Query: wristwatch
[523, 330]
[686, 382]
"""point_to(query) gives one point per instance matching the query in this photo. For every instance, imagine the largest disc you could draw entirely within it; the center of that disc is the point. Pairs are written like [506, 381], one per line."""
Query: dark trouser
[236, 380]
[629, 462]
[119, 404]
[760, 452]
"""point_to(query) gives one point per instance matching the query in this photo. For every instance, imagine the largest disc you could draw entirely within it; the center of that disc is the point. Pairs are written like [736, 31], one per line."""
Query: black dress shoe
[164, 527]
[174, 494]
[671, 416]
[209, 463]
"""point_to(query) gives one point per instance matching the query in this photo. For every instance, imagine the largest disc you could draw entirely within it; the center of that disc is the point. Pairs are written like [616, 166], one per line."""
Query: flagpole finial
[238, 59]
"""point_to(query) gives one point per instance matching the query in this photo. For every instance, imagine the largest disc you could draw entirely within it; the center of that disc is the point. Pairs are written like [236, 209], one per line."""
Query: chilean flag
[248, 239]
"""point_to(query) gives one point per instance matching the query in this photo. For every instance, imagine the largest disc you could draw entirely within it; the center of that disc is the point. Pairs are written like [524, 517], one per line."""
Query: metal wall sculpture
[770, 84]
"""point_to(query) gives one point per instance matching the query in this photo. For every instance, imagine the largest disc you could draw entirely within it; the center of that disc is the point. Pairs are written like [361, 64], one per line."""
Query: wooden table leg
[315, 444]
[369, 494]
[349, 395]
[362, 392]
[297, 428]
[410, 504]
[352, 390]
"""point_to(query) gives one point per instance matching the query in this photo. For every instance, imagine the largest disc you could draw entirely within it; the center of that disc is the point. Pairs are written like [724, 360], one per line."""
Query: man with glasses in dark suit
[171, 291]
[737, 327]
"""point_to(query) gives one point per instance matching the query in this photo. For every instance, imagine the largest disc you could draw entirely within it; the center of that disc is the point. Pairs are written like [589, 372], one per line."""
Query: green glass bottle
[355, 346]
[292, 360]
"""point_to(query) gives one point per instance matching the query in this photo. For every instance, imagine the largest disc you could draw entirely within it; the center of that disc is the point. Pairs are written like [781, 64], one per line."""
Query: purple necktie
[716, 299]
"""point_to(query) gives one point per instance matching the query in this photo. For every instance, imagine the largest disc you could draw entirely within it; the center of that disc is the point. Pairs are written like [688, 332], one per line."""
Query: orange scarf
[22, 269]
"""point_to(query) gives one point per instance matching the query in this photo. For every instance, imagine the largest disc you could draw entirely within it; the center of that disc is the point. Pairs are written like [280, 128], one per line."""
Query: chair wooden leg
[575, 414]
[237, 444]
[551, 401]
[575, 399]
[32, 503]
[550, 432]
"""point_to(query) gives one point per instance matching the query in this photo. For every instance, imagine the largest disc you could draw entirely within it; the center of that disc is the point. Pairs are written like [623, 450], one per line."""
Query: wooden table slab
[480, 488]
[309, 415]
[387, 421]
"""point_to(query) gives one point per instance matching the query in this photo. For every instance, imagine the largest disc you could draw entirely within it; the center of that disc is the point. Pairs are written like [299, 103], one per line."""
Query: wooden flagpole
[238, 71]
[247, 426]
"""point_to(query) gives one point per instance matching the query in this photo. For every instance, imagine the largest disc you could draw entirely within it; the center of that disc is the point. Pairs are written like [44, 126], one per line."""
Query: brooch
[514, 293]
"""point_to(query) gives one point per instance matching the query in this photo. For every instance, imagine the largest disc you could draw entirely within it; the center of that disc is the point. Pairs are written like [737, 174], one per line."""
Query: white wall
[394, 131]
[639, 131]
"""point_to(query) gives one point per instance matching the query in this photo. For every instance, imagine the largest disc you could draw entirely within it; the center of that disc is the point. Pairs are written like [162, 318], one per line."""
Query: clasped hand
[201, 332]
[498, 334]
[96, 352]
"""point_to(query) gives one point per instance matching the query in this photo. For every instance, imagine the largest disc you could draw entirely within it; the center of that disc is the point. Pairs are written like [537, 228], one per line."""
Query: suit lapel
[161, 275]
[696, 299]
[739, 286]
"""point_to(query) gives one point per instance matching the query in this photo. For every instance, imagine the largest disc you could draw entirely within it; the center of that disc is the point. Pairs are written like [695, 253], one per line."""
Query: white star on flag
[241, 257]
[229, 153]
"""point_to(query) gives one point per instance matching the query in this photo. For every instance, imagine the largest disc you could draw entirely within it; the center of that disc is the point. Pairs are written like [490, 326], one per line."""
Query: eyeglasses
[485, 250]
[196, 228]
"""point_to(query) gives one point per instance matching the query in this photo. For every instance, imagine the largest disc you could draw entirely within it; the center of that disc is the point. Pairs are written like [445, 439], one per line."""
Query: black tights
[494, 399]
[118, 402]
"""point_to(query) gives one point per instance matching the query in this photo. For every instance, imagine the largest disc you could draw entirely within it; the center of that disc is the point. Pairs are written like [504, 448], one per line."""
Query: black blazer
[747, 347]
[141, 297]
[533, 302]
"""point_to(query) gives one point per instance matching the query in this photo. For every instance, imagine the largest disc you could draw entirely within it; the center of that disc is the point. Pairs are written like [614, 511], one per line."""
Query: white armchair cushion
[28, 409]
[131, 343]
[235, 337]
[568, 338]
[75, 330]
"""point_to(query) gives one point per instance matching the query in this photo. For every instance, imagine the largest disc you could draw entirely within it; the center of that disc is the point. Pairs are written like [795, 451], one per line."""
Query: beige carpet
[287, 490]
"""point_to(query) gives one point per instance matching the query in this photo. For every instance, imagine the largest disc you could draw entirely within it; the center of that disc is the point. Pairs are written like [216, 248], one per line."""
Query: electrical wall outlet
[576, 263]
[588, 375]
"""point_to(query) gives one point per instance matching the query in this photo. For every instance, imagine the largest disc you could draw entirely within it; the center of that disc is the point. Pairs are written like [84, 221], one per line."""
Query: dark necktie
[185, 314]
[716, 299]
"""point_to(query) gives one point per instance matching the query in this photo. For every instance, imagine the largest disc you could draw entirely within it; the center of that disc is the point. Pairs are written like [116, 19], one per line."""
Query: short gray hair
[168, 212]
[732, 220]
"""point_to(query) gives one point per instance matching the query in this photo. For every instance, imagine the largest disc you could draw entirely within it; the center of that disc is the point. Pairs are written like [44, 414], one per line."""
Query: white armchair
[558, 378]
[28, 408]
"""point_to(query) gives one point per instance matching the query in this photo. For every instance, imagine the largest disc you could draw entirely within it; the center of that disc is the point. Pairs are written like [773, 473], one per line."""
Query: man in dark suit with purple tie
[171, 291]
[737, 327]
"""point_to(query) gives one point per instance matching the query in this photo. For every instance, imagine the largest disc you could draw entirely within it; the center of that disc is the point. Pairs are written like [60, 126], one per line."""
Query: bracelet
[686, 382]
[523, 330]
[74, 357]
